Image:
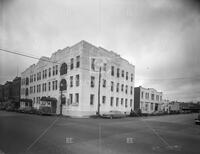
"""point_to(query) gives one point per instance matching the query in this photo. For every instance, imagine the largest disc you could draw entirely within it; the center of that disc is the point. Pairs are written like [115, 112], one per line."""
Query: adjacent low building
[84, 77]
[148, 100]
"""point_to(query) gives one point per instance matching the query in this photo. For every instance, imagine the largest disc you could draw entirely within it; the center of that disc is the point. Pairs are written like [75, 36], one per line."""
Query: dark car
[197, 121]
[114, 114]
[45, 110]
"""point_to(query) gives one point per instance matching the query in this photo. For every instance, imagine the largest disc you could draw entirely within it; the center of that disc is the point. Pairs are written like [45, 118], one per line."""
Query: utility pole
[98, 107]
[61, 89]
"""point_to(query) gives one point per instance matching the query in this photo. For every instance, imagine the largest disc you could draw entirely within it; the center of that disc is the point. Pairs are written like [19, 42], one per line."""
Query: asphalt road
[33, 134]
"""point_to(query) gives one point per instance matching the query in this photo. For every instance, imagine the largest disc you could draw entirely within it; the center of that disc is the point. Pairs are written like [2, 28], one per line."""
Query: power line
[25, 55]
[55, 62]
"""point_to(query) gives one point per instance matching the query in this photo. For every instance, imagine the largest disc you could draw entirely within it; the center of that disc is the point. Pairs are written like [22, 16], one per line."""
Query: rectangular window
[72, 63]
[77, 80]
[92, 81]
[34, 77]
[53, 70]
[126, 91]
[49, 86]
[104, 66]
[112, 85]
[103, 99]
[132, 77]
[151, 106]
[52, 85]
[131, 92]
[126, 75]
[122, 73]
[56, 84]
[122, 87]
[49, 72]
[71, 98]
[104, 83]
[45, 73]
[118, 72]
[92, 64]
[34, 89]
[71, 81]
[77, 61]
[77, 97]
[117, 101]
[142, 95]
[117, 89]
[111, 101]
[122, 101]
[126, 105]
[112, 70]
[131, 102]
[91, 99]
[152, 96]
[146, 106]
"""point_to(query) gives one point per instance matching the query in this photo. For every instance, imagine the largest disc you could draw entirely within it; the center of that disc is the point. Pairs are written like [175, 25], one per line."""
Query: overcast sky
[160, 37]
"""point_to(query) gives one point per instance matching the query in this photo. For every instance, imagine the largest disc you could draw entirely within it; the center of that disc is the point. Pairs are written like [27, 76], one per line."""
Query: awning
[51, 99]
[26, 100]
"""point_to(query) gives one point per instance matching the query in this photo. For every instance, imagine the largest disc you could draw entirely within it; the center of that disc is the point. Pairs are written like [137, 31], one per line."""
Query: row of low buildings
[86, 79]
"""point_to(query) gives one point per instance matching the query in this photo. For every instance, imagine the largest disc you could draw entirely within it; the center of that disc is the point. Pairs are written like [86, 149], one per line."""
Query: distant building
[148, 100]
[15, 89]
[77, 68]
[165, 105]
[190, 106]
[7, 90]
[1, 93]
[174, 106]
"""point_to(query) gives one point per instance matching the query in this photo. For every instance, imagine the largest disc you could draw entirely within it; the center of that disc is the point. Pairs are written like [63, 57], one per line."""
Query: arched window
[63, 69]
[63, 84]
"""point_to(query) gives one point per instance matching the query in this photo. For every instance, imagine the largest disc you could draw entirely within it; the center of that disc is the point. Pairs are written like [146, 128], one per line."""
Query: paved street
[23, 133]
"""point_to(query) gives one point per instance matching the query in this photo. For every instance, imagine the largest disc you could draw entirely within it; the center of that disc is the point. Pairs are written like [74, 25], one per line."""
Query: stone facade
[147, 99]
[77, 68]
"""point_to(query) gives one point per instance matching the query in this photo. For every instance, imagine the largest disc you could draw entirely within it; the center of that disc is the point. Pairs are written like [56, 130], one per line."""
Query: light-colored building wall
[87, 53]
[150, 100]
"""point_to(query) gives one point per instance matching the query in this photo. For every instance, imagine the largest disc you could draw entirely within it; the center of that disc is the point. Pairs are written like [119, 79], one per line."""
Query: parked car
[114, 114]
[45, 110]
[197, 120]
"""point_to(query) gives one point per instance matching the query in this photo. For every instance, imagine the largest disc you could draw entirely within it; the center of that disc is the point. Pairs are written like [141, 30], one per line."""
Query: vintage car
[113, 114]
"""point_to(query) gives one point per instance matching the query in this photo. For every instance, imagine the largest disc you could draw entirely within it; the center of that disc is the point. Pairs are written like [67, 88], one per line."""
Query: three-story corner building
[148, 100]
[86, 76]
